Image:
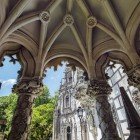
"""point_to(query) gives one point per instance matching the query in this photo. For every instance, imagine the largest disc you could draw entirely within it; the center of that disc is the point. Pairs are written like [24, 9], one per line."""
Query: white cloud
[8, 82]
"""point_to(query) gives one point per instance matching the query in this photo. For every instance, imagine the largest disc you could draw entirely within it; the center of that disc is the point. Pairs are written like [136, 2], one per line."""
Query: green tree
[42, 117]
[7, 105]
[43, 98]
[42, 122]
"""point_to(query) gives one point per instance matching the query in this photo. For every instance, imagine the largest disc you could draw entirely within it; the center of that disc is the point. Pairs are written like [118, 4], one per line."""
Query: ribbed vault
[82, 31]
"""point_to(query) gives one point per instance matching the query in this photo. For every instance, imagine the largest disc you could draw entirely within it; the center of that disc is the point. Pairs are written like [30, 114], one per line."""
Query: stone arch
[116, 56]
[66, 55]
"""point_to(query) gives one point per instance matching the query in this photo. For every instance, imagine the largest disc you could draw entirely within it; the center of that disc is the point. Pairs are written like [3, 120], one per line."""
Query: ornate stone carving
[107, 125]
[134, 77]
[96, 88]
[91, 22]
[136, 97]
[45, 17]
[100, 90]
[68, 20]
[29, 86]
[81, 95]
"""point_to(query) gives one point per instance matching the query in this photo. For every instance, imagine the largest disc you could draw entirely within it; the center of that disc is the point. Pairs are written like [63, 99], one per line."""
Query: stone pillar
[100, 91]
[27, 90]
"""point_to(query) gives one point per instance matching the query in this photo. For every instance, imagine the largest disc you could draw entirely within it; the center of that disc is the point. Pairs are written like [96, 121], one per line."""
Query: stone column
[27, 90]
[100, 91]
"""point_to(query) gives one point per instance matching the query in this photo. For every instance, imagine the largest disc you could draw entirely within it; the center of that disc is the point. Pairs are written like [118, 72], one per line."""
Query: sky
[8, 76]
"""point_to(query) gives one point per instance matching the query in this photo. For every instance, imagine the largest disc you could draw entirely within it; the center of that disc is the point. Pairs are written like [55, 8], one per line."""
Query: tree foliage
[42, 116]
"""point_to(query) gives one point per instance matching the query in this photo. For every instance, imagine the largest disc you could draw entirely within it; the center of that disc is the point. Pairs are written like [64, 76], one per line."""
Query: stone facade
[65, 116]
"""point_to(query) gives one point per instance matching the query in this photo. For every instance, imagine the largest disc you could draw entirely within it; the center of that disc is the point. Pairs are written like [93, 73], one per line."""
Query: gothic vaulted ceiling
[84, 32]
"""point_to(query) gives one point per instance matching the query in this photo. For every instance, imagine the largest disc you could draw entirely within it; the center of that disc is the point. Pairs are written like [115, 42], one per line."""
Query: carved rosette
[96, 88]
[91, 22]
[31, 86]
[44, 17]
[68, 20]
[134, 78]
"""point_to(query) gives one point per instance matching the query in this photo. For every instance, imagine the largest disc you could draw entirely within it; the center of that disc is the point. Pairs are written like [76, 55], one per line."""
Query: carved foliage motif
[134, 78]
[96, 88]
[29, 86]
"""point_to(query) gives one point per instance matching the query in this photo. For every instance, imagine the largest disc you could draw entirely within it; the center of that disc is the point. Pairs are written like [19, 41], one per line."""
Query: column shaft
[99, 90]
[22, 117]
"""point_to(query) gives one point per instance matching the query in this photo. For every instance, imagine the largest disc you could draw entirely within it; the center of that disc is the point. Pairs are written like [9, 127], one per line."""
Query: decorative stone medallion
[91, 22]
[45, 17]
[68, 20]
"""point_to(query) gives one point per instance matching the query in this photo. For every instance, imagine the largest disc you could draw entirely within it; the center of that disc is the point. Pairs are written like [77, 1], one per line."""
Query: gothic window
[68, 133]
[118, 78]
[67, 100]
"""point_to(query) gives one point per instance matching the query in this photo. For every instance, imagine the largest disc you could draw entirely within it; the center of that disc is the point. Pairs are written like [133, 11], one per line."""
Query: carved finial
[68, 20]
[91, 22]
[45, 17]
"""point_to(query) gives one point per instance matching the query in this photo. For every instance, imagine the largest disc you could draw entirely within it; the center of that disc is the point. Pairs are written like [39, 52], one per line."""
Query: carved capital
[96, 88]
[32, 86]
[134, 77]
[68, 20]
[44, 17]
[91, 22]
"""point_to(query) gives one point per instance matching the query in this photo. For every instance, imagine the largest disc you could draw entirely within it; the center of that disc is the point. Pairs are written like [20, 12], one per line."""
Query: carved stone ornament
[134, 77]
[96, 88]
[136, 97]
[45, 16]
[91, 22]
[81, 95]
[68, 20]
[29, 86]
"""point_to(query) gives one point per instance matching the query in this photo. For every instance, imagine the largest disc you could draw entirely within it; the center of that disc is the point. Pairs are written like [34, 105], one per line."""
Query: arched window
[68, 133]
[118, 78]
[67, 101]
